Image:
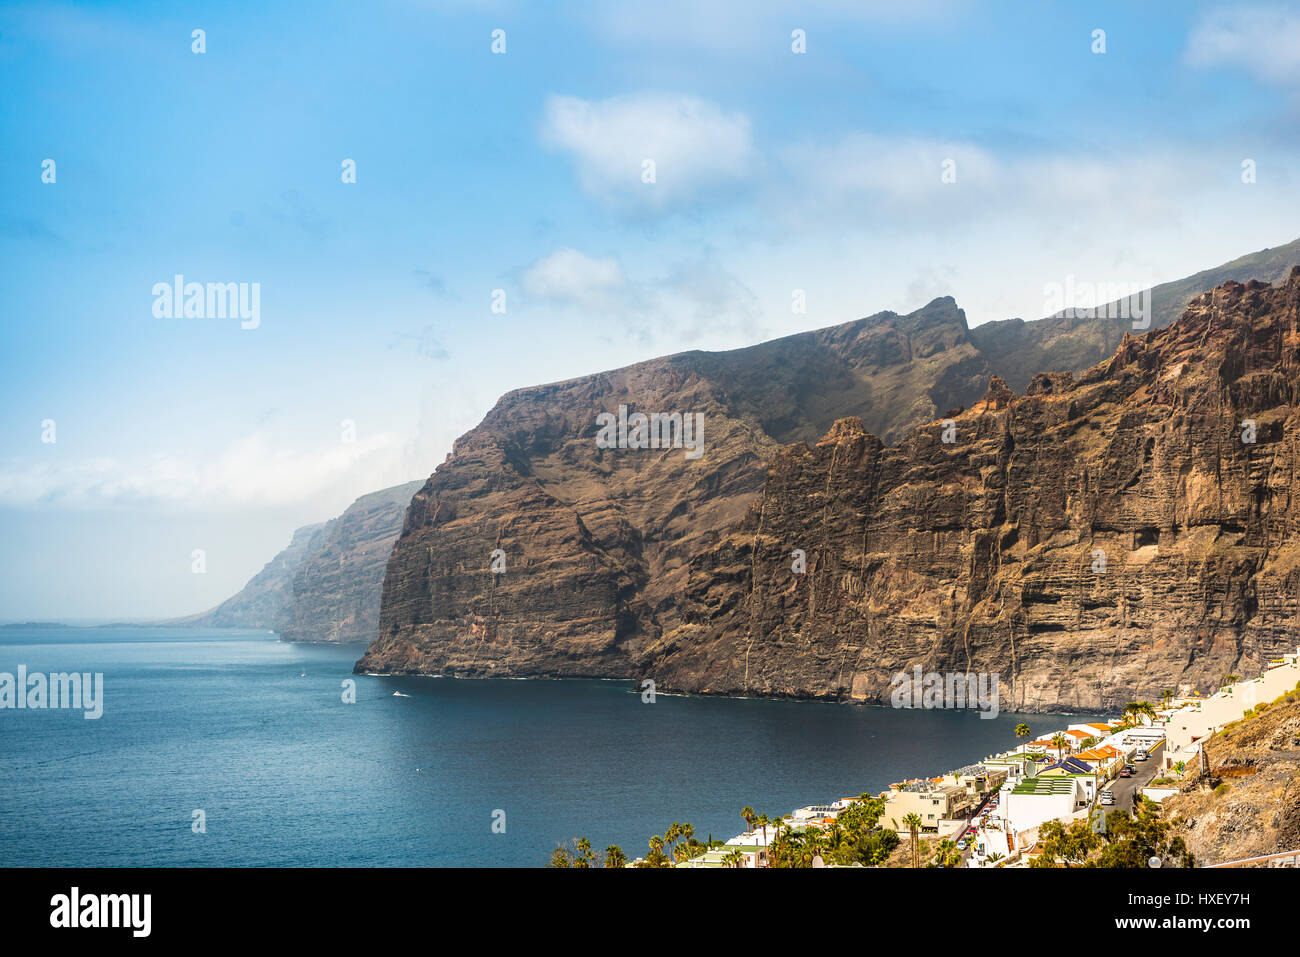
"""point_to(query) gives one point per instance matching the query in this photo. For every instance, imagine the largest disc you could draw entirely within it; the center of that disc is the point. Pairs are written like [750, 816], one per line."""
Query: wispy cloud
[694, 145]
[1263, 40]
[434, 283]
[690, 298]
[256, 470]
[569, 276]
[896, 182]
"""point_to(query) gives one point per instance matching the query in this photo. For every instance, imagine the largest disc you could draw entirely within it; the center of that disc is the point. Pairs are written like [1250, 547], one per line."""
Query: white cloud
[253, 471]
[878, 181]
[694, 144]
[1261, 39]
[692, 297]
[567, 275]
[901, 169]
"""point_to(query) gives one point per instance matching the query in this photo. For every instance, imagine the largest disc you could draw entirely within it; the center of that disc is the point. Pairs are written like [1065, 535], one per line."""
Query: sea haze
[254, 732]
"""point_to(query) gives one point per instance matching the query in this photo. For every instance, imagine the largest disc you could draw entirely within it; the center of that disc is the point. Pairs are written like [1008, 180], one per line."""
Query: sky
[593, 185]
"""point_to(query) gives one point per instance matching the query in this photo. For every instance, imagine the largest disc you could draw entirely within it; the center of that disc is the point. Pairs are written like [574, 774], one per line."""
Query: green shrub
[1222, 789]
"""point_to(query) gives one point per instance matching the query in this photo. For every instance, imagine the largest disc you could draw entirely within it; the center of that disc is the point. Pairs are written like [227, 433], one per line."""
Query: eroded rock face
[267, 600]
[337, 585]
[598, 542]
[973, 554]
[985, 554]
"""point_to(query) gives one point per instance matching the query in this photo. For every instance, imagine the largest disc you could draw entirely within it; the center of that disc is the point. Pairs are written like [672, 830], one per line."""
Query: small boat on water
[398, 694]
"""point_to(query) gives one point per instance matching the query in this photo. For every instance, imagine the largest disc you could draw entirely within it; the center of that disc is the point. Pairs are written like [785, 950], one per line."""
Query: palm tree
[584, 857]
[1022, 731]
[1165, 698]
[763, 822]
[1059, 742]
[672, 834]
[913, 823]
[946, 854]
[812, 845]
[1229, 680]
[750, 817]
[734, 858]
[614, 856]
[1146, 710]
[993, 858]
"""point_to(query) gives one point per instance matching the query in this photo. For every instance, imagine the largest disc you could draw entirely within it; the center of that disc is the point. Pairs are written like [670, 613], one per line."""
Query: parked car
[1131, 768]
[1141, 756]
[1125, 773]
[961, 845]
[1107, 797]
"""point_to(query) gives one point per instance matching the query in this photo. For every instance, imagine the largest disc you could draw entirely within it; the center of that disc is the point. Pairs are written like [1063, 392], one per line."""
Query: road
[1125, 789]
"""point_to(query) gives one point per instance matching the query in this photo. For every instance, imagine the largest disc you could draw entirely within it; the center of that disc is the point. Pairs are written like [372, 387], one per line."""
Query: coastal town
[996, 812]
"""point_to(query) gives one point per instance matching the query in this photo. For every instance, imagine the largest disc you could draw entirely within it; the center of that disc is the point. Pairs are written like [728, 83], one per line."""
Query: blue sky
[522, 171]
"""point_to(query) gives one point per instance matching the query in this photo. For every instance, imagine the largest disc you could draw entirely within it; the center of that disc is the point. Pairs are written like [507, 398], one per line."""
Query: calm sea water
[288, 774]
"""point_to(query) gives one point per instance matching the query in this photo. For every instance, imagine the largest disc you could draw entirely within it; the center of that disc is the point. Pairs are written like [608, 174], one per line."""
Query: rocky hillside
[1091, 542]
[1249, 805]
[325, 586]
[597, 543]
[975, 553]
[337, 585]
[1018, 350]
[265, 602]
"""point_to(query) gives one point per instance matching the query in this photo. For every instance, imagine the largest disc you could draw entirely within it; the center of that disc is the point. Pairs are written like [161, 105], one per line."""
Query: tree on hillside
[1130, 841]
[913, 823]
[946, 855]
[734, 858]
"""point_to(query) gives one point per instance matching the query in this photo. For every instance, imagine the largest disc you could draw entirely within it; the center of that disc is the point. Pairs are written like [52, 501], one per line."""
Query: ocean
[255, 734]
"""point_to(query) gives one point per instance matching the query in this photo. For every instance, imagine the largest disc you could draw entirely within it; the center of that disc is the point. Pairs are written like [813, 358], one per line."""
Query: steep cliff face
[626, 561]
[1090, 542]
[1018, 350]
[596, 542]
[325, 586]
[265, 602]
[336, 587]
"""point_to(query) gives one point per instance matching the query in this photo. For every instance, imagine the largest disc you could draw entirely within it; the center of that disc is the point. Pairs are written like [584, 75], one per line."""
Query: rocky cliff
[597, 543]
[975, 553]
[1091, 542]
[336, 587]
[325, 586]
[266, 601]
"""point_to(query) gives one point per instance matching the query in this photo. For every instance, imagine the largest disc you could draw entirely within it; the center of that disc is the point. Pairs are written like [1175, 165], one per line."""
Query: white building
[1201, 718]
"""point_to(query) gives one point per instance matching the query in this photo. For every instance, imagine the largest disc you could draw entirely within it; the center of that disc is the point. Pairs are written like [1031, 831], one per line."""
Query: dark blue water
[288, 774]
